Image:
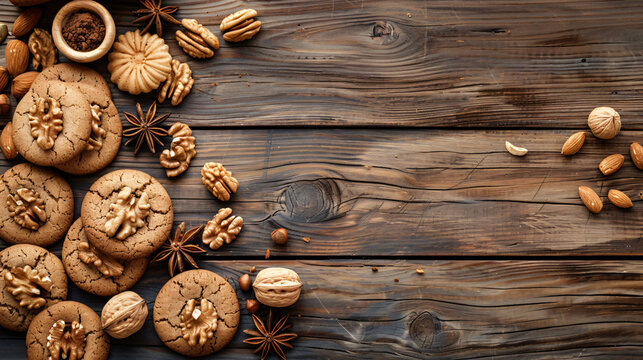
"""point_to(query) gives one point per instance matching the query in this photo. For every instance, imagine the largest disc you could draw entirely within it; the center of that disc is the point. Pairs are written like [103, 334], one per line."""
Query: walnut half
[25, 284]
[178, 84]
[198, 321]
[43, 49]
[27, 208]
[223, 228]
[182, 149]
[218, 180]
[98, 133]
[105, 264]
[45, 118]
[127, 214]
[66, 341]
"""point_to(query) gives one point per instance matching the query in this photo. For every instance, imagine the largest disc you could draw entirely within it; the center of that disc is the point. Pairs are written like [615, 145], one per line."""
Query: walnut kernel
[127, 214]
[43, 49]
[98, 133]
[223, 228]
[124, 314]
[240, 25]
[105, 264]
[45, 118]
[178, 84]
[25, 284]
[218, 180]
[66, 342]
[198, 321]
[27, 208]
[182, 149]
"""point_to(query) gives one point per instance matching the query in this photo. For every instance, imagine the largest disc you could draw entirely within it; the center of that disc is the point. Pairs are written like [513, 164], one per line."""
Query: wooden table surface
[377, 128]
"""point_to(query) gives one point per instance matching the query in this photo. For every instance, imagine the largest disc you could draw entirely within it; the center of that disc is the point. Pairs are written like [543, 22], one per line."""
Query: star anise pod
[154, 13]
[177, 249]
[144, 127]
[270, 337]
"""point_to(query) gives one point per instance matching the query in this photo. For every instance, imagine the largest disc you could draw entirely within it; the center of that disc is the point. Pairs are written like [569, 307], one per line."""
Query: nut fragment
[197, 41]
[182, 149]
[127, 214]
[279, 236]
[619, 198]
[46, 120]
[636, 153]
[252, 306]
[240, 26]
[277, 287]
[604, 122]
[66, 341]
[244, 282]
[124, 314]
[6, 142]
[98, 133]
[42, 48]
[26, 21]
[573, 143]
[178, 84]
[590, 199]
[198, 321]
[515, 150]
[611, 164]
[4, 77]
[107, 266]
[218, 180]
[223, 228]
[26, 285]
[22, 83]
[17, 57]
[27, 208]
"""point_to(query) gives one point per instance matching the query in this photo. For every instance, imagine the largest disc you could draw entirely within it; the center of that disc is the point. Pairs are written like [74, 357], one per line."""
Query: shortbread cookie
[127, 214]
[36, 205]
[37, 278]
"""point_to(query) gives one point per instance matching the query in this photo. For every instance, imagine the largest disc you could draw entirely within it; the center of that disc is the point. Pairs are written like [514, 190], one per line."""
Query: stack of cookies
[68, 120]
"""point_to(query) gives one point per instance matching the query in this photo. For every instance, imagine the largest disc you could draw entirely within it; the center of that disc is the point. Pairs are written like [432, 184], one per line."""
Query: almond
[17, 57]
[5, 104]
[590, 199]
[26, 21]
[573, 143]
[636, 153]
[6, 142]
[618, 198]
[611, 164]
[22, 83]
[4, 77]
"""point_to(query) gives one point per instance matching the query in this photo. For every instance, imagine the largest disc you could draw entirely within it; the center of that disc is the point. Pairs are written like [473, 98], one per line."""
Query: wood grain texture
[406, 192]
[460, 309]
[445, 63]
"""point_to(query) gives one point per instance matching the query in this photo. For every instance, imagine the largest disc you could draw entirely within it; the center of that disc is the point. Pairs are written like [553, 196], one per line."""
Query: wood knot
[385, 32]
[422, 330]
[311, 201]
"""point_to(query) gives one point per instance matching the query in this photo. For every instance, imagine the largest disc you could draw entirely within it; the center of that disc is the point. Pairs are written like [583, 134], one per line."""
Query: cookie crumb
[253, 269]
[396, 280]
[306, 239]
[409, 15]
[267, 254]
[419, 271]
[374, 269]
[298, 315]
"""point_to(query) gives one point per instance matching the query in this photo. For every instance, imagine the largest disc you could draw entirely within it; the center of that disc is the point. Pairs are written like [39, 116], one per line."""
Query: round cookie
[87, 276]
[98, 93]
[96, 341]
[13, 316]
[133, 192]
[70, 141]
[173, 298]
[52, 189]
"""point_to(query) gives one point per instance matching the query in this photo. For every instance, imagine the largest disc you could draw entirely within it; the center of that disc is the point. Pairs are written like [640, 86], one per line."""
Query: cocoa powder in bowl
[83, 30]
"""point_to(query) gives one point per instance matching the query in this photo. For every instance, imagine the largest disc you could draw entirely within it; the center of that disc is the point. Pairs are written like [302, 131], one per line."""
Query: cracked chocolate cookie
[107, 130]
[67, 330]
[51, 123]
[95, 272]
[36, 205]
[127, 214]
[196, 313]
[31, 278]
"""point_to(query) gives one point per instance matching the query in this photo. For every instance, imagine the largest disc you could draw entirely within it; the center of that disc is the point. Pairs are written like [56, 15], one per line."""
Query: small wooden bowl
[83, 56]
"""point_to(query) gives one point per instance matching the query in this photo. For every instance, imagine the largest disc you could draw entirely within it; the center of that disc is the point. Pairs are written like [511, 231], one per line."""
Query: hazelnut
[604, 122]
[5, 104]
[252, 306]
[244, 282]
[279, 236]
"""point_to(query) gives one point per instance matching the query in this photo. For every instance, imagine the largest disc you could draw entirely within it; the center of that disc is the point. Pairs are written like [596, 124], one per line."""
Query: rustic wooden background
[377, 129]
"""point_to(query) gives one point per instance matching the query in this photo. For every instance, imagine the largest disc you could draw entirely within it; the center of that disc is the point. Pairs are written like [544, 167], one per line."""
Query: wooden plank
[411, 63]
[406, 193]
[457, 309]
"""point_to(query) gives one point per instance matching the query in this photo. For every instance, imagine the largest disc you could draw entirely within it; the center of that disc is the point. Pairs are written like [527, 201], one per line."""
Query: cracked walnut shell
[218, 180]
[124, 314]
[223, 228]
[127, 214]
[139, 63]
[182, 149]
[27, 208]
[105, 264]
[197, 41]
[66, 341]
[198, 321]
[178, 85]
[277, 287]
[45, 118]
[42, 48]
[240, 26]
[25, 284]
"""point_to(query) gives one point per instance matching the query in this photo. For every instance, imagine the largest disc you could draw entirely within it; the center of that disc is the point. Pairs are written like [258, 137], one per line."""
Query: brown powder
[84, 31]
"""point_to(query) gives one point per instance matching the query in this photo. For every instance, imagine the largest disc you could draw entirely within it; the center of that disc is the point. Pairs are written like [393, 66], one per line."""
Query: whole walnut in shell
[124, 314]
[604, 122]
[277, 287]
